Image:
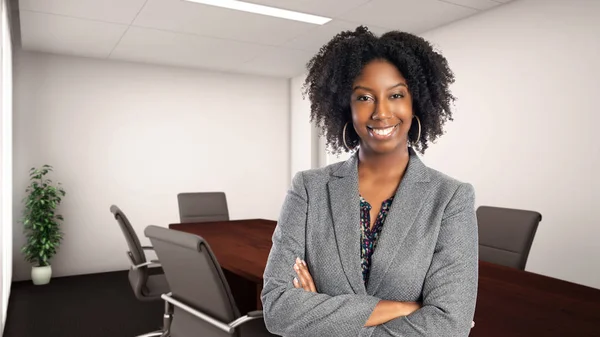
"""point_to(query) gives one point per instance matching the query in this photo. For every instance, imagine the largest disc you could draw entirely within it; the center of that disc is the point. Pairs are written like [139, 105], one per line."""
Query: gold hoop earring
[419, 136]
[344, 137]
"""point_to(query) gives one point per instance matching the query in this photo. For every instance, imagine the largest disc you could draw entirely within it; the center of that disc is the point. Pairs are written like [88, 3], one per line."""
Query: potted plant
[41, 223]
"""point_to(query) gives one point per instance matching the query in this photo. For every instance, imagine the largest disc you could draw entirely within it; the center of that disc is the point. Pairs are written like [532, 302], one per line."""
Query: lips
[382, 132]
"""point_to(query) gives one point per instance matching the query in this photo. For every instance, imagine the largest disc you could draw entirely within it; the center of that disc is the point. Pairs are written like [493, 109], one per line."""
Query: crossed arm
[449, 291]
[383, 312]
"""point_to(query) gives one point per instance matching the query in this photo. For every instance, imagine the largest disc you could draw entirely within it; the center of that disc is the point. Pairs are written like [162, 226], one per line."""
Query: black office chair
[202, 304]
[148, 284]
[202, 207]
[506, 235]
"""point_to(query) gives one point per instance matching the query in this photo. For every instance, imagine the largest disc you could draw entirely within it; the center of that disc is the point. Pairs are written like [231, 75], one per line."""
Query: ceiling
[180, 33]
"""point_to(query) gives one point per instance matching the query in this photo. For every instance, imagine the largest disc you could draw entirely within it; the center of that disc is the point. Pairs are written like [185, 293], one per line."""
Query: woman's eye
[363, 98]
[396, 96]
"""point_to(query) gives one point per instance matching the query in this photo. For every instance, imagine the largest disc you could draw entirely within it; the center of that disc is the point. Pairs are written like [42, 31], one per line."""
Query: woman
[379, 245]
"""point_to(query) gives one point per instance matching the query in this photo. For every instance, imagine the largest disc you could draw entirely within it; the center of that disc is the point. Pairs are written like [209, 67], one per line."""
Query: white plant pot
[41, 275]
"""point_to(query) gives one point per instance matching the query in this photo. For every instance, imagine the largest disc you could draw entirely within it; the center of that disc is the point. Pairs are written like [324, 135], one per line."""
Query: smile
[382, 133]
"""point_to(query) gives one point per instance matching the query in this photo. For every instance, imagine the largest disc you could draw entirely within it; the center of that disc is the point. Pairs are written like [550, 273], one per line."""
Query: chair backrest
[506, 235]
[196, 279]
[137, 277]
[202, 207]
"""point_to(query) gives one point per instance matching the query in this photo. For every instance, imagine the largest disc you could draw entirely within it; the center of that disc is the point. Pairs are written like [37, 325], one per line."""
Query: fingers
[301, 280]
[304, 280]
[305, 277]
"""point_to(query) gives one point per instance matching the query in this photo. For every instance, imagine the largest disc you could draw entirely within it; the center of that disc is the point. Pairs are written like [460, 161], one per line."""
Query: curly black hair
[332, 71]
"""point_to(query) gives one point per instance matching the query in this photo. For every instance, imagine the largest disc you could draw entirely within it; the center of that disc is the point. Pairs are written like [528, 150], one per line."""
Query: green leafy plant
[40, 221]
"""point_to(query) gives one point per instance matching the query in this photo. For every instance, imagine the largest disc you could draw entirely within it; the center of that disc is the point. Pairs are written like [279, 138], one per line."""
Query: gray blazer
[427, 252]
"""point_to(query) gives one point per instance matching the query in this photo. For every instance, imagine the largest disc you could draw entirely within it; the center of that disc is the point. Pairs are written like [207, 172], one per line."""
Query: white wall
[526, 120]
[307, 148]
[6, 163]
[136, 135]
[301, 152]
[304, 137]
[527, 77]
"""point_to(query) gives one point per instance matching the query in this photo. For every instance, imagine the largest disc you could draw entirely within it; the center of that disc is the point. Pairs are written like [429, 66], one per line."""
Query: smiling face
[381, 107]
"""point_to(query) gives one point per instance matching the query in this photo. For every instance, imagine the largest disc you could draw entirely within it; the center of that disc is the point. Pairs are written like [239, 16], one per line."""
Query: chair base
[166, 330]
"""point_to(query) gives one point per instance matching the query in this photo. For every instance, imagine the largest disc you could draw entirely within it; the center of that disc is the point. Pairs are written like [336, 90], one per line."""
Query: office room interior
[133, 102]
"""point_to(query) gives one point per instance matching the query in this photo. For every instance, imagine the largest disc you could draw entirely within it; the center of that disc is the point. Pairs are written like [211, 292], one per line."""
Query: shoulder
[445, 182]
[316, 175]
[457, 194]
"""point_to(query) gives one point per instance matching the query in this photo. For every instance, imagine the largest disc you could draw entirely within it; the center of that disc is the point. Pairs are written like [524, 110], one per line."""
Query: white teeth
[383, 132]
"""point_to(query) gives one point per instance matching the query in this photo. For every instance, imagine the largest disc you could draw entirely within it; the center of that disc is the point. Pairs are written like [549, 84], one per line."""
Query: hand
[304, 279]
[408, 308]
[387, 310]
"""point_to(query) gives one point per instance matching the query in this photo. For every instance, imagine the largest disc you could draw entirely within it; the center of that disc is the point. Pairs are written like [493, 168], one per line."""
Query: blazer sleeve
[294, 312]
[450, 287]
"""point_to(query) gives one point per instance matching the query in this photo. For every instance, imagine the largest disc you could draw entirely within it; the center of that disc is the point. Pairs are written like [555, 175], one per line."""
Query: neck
[389, 164]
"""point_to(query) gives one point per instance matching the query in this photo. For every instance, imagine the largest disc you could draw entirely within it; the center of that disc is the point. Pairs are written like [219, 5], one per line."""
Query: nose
[382, 110]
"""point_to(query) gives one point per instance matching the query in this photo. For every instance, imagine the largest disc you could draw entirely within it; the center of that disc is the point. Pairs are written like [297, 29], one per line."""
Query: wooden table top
[241, 246]
[510, 302]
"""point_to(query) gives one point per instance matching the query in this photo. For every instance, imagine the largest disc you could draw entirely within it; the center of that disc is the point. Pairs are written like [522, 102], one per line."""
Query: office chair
[202, 207]
[201, 300]
[147, 284]
[506, 235]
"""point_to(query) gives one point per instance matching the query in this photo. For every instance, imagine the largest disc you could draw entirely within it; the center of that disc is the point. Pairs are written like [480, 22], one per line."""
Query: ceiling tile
[66, 35]
[329, 8]
[186, 50]
[204, 20]
[279, 62]
[181, 33]
[117, 11]
[317, 37]
[408, 15]
[475, 4]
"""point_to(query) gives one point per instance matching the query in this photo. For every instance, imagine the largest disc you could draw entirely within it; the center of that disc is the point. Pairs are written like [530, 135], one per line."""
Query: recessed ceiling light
[265, 10]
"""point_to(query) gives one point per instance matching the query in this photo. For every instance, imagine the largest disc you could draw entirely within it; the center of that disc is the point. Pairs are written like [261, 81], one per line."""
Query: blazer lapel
[408, 200]
[345, 209]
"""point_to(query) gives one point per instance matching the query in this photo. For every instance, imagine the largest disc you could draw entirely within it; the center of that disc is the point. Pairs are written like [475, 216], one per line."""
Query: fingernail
[296, 266]
[297, 260]
[304, 263]
[295, 280]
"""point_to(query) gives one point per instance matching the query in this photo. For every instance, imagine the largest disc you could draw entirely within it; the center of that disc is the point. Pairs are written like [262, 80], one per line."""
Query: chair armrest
[137, 266]
[223, 326]
[256, 313]
[146, 264]
[147, 248]
[229, 328]
[252, 315]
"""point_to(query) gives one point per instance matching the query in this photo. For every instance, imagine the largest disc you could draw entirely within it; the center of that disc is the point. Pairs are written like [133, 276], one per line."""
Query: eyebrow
[401, 84]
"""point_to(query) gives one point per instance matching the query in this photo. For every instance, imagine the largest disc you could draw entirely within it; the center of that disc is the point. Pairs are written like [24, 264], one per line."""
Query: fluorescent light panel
[265, 10]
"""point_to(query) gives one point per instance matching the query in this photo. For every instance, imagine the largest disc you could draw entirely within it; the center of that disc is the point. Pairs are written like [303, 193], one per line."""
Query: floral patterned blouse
[368, 236]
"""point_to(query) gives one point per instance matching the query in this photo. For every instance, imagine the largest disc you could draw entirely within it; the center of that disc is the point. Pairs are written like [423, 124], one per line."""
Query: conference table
[510, 302]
